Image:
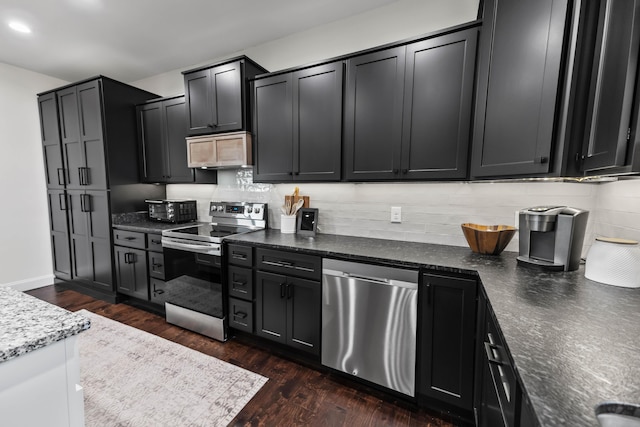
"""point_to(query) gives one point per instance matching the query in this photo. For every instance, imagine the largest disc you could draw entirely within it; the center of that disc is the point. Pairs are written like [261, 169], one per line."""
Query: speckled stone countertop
[27, 323]
[139, 221]
[574, 342]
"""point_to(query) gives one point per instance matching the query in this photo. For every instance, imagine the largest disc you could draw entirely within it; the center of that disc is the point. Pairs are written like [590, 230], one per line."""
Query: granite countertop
[28, 323]
[574, 342]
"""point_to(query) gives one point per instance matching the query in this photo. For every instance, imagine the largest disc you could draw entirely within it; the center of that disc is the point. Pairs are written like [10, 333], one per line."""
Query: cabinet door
[174, 129]
[303, 314]
[131, 272]
[58, 206]
[90, 234]
[518, 86]
[273, 129]
[613, 82]
[70, 136]
[227, 91]
[438, 94]
[50, 134]
[271, 306]
[373, 115]
[447, 339]
[198, 96]
[317, 123]
[150, 125]
[91, 135]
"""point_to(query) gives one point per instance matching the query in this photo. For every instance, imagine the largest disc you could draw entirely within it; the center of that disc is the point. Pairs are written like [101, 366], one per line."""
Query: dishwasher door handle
[370, 279]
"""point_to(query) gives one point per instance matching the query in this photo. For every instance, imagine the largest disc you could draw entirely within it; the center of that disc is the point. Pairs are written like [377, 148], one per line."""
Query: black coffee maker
[551, 237]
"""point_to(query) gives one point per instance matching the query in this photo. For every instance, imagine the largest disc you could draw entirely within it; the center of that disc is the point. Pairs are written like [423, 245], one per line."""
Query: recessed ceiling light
[19, 27]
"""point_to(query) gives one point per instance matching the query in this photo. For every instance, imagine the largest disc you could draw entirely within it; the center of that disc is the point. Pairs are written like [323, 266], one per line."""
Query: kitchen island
[573, 341]
[39, 362]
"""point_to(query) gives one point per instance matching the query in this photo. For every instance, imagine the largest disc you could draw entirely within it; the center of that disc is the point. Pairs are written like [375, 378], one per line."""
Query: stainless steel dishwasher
[369, 321]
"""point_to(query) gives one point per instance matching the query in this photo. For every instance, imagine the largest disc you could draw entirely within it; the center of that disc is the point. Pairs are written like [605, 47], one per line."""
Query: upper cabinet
[216, 96]
[522, 51]
[373, 115]
[408, 110]
[162, 142]
[610, 140]
[298, 125]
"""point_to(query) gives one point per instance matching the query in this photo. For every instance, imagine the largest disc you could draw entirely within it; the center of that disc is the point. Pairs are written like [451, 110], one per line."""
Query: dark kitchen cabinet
[58, 205]
[163, 149]
[240, 286]
[447, 338]
[610, 142]
[298, 125]
[50, 135]
[131, 272]
[438, 96]
[90, 236]
[216, 96]
[82, 136]
[520, 105]
[288, 310]
[373, 115]
[95, 172]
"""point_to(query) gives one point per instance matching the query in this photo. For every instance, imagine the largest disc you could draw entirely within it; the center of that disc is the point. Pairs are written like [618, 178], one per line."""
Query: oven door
[192, 293]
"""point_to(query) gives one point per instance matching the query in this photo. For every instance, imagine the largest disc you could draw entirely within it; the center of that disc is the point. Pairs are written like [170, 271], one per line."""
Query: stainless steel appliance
[369, 316]
[551, 236]
[193, 294]
[172, 210]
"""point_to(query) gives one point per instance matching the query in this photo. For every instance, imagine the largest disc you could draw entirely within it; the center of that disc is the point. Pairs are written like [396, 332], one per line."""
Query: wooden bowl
[488, 239]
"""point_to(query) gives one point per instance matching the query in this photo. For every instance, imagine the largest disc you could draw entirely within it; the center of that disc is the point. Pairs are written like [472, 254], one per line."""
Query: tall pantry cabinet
[91, 167]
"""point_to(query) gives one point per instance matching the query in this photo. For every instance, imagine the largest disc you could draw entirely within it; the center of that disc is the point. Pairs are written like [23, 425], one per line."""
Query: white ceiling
[129, 40]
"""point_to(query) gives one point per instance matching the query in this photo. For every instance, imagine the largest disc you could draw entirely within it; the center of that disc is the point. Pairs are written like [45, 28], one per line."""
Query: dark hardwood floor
[295, 395]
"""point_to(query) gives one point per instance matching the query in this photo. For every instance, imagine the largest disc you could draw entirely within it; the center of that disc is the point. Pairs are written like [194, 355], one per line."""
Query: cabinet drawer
[290, 263]
[131, 239]
[156, 265]
[240, 255]
[240, 281]
[154, 242]
[241, 315]
[157, 291]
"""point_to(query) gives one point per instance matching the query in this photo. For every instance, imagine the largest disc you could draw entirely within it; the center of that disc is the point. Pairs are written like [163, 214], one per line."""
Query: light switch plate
[396, 214]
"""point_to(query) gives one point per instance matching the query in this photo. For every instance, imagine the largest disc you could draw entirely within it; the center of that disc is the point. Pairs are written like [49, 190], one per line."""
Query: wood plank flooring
[295, 395]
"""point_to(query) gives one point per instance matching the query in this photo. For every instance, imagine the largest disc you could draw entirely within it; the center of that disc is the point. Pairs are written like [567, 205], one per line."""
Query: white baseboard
[31, 283]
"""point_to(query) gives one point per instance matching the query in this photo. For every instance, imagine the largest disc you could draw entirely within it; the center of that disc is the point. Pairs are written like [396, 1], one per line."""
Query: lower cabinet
[288, 310]
[139, 265]
[131, 272]
[447, 330]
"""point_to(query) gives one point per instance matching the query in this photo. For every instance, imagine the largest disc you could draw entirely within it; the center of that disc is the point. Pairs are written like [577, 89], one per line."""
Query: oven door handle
[202, 248]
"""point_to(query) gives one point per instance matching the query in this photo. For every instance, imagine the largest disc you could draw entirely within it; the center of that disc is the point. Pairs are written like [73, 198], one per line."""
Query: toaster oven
[174, 211]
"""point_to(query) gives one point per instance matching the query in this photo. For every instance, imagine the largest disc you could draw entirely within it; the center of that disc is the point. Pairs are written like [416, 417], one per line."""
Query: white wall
[25, 249]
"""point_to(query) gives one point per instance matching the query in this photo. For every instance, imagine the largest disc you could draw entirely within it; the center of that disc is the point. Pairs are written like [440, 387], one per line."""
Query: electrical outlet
[396, 214]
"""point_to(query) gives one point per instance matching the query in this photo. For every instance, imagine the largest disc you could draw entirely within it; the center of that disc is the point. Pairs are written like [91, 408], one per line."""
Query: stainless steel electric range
[193, 293]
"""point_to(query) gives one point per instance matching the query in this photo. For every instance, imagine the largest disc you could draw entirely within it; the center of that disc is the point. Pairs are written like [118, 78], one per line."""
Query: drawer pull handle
[129, 238]
[156, 242]
[239, 256]
[235, 283]
[240, 314]
[489, 348]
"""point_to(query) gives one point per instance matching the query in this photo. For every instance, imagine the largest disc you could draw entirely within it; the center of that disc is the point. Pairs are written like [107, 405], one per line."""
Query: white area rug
[133, 378]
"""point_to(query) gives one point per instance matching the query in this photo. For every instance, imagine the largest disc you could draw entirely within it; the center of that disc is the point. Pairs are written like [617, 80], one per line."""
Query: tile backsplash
[433, 211]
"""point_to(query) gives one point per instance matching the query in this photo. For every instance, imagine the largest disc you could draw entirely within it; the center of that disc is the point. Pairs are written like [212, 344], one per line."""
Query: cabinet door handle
[212, 125]
[83, 173]
[157, 291]
[282, 290]
[85, 203]
[240, 314]
[428, 285]
[405, 171]
[395, 171]
[156, 265]
[61, 180]
[63, 201]
[289, 291]
[541, 160]
[129, 258]
[488, 348]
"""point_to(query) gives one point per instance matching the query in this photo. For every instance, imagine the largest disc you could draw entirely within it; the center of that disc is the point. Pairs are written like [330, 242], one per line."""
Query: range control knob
[220, 208]
[256, 209]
